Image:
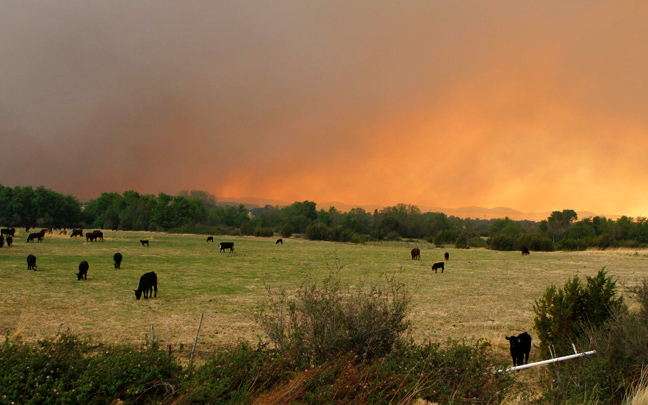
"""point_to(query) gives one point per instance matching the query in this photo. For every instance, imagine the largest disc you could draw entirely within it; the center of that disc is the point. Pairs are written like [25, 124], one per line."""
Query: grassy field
[482, 294]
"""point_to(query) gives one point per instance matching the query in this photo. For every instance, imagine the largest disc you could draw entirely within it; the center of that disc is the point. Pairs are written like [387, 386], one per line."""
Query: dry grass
[482, 294]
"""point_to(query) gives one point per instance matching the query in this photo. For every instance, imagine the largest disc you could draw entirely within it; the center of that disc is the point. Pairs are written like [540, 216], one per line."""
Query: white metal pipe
[557, 359]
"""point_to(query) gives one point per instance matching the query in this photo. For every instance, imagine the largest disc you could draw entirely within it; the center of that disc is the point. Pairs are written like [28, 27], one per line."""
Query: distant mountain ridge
[463, 212]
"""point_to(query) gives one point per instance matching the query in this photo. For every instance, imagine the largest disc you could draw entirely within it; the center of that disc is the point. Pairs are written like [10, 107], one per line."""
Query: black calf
[9, 241]
[144, 242]
[279, 241]
[147, 283]
[117, 257]
[447, 256]
[520, 348]
[437, 266]
[83, 271]
[210, 239]
[31, 262]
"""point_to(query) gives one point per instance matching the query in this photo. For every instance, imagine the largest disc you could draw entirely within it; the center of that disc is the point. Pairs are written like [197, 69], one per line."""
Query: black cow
[210, 239]
[7, 231]
[279, 241]
[437, 266]
[520, 348]
[9, 241]
[90, 236]
[1, 241]
[31, 262]
[147, 283]
[144, 242]
[98, 234]
[525, 250]
[447, 256]
[77, 232]
[33, 236]
[83, 271]
[117, 257]
[416, 254]
[226, 245]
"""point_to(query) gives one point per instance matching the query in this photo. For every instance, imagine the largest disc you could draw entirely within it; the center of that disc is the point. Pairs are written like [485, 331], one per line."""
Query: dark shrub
[327, 320]
[287, 231]
[561, 312]
[263, 232]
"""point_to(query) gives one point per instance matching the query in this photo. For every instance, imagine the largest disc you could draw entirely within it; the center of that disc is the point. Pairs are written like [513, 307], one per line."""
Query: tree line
[198, 212]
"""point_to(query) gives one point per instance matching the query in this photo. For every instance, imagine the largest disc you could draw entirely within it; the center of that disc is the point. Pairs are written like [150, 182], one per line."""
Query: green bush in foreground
[562, 312]
[70, 370]
[612, 374]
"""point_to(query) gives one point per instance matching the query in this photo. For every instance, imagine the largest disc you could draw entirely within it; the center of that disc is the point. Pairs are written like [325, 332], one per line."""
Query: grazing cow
[117, 257]
[147, 283]
[83, 271]
[33, 236]
[98, 235]
[416, 254]
[7, 231]
[279, 241]
[31, 262]
[9, 241]
[447, 256]
[520, 348]
[77, 232]
[437, 266]
[90, 237]
[144, 242]
[1, 241]
[226, 245]
[525, 250]
[210, 239]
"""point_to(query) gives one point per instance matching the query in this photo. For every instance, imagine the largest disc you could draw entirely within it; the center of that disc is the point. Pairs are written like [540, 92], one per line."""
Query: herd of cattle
[520, 345]
[148, 281]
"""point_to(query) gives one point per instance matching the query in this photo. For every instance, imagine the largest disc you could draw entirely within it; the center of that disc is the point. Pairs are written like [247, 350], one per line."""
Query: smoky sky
[533, 105]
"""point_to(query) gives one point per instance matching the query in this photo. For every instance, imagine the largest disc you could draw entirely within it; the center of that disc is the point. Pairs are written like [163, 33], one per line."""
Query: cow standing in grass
[416, 254]
[9, 241]
[117, 257]
[8, 231]
[31, 262]
[147, 283]
[520, 348]
[437, 266]
[226, 245]
[36, 236]
[83, 271]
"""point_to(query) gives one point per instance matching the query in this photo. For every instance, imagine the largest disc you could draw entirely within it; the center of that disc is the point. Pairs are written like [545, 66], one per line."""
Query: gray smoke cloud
[531, 105]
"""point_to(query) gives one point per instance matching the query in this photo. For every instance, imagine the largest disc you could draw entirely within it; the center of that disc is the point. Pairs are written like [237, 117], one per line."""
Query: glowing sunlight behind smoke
[537, 106]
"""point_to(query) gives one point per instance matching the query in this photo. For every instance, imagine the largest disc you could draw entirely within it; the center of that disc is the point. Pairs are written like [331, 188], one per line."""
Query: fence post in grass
[195, 341]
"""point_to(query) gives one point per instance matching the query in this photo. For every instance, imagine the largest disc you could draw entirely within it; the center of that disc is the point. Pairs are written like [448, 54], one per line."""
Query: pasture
[481, 294]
